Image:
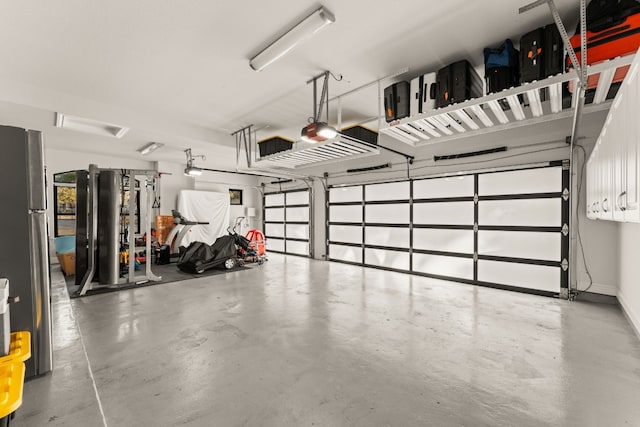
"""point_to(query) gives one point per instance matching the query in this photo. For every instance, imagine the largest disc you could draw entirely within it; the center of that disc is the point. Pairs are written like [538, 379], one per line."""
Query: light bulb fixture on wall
[303, 30]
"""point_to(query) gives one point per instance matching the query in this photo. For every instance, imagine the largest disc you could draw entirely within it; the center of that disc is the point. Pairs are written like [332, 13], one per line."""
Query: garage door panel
[443, 266]
[345, 194]
[387, 214]
[387, 236]
[297, 231]
[538, 277]
[460, 241]
[298, 214]
[275, 245]
[390, 191]
[274, 199]
[297, 198]
[274, 214]
[345, 253]
[520, 244]
[437, 188]
[388, 259]
[525, 181]
[345, 234]
[346, 214]
[298, 248]
[449, 213]
[521, 212]
[274, 230]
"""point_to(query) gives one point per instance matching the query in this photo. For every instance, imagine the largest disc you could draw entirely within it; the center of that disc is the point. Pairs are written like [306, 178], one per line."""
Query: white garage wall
[171, 182]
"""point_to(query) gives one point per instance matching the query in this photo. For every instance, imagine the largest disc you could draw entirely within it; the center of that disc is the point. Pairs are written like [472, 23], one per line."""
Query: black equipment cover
[199, 256]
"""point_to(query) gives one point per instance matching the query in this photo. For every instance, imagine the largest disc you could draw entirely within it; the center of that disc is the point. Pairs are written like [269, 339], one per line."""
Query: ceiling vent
[85, 125]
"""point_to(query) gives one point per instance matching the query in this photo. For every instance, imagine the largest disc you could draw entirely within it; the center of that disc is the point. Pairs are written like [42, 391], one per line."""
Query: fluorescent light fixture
[192, 171]
[149, 148]
[296, 35]
[95, 127]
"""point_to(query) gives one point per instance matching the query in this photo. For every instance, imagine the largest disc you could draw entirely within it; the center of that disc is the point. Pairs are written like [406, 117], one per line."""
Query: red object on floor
[256, 241]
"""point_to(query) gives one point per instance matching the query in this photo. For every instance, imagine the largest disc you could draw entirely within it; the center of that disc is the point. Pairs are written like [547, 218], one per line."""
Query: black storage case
[274, 145]
[501, 67]
[361, 133]
[457, 82]
[541, 54]
[396, 101]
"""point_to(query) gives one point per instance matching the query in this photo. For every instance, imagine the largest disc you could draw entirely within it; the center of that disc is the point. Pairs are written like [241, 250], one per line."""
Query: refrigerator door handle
[41, 339]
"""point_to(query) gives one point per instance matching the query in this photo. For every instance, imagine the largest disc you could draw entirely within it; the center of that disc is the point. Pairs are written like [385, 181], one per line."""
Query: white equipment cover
[204, 206]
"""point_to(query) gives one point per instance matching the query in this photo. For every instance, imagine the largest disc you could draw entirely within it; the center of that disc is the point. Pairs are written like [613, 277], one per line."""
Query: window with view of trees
[64, 194]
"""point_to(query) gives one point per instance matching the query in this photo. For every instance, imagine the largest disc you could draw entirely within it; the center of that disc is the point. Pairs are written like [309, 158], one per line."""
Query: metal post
[131, 232]
[150, 195]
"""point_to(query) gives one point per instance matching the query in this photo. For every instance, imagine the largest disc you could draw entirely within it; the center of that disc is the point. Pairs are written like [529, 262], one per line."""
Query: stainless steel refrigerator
[24, 250]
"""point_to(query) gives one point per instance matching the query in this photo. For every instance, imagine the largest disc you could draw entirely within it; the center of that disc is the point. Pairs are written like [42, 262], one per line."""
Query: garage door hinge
[565, 194]
[475, 257]
[565, 265]
[475, 199]
[475, 227]
[565, 230]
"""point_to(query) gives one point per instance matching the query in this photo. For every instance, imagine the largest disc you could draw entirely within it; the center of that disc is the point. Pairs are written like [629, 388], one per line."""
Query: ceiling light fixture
[318, 132]
[150, 148]
[306, 28]
[95, 127]
[191, 170]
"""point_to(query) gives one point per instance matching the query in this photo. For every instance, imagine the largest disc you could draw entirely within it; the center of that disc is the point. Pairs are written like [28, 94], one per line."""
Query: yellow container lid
[19, 349]
[11, 386]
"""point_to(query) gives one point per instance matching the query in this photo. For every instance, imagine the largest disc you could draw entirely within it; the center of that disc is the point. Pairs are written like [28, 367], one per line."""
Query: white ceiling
[178, 72]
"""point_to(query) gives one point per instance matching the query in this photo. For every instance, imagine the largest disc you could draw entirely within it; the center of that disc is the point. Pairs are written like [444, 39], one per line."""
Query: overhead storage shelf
[511, 108]
[332, 150]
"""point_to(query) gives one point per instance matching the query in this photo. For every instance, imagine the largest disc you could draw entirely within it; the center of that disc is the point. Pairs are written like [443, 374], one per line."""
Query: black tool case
[541, 54]
[396, 101]
[456, 83]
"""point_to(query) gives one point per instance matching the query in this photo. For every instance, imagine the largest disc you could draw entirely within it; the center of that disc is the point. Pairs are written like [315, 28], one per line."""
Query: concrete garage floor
[298, 342]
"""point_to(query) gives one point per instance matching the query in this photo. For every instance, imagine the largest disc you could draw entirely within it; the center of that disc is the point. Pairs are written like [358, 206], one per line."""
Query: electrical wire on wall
[579, 189]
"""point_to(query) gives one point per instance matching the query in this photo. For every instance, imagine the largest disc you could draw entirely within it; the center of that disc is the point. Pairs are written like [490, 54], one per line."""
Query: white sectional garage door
[286, 222]
[500, 229]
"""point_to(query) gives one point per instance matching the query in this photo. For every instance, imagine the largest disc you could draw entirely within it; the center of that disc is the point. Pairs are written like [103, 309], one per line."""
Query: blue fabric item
[504, 56]
[65, 244]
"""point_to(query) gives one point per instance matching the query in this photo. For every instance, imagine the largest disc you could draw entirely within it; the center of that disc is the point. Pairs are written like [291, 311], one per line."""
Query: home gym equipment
[109, 222]
[180, 229]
